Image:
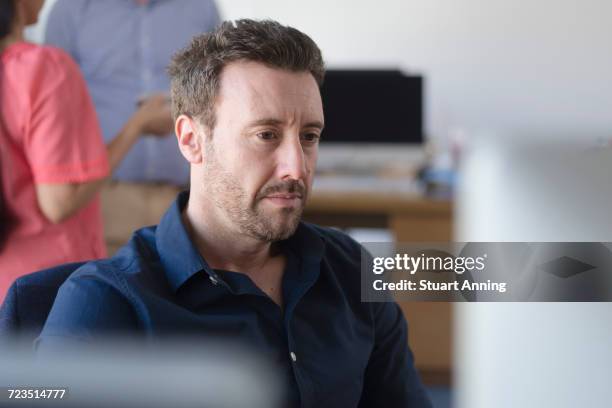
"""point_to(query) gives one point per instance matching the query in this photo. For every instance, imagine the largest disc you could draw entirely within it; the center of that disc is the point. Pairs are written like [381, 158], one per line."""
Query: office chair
[29, 300]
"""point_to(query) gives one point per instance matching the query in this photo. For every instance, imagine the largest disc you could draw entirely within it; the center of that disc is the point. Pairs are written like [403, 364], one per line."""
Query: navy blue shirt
[333, 349]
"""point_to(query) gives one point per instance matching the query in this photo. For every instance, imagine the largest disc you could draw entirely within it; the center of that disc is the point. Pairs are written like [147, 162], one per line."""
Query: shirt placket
[283, 321]
[297, 293]
[293, 356]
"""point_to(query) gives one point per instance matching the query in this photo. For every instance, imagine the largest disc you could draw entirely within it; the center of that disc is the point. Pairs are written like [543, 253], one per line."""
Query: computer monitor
[133, 373]
[372, 106]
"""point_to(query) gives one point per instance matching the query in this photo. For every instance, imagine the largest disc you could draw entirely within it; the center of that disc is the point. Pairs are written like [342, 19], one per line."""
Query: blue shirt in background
[332, 349]
[123, 49]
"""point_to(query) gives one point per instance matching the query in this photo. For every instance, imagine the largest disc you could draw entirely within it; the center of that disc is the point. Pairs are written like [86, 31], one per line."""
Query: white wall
[502, 64]
[542, 65]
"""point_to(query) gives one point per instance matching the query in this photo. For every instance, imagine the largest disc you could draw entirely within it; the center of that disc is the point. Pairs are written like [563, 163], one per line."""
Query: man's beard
[230, 197]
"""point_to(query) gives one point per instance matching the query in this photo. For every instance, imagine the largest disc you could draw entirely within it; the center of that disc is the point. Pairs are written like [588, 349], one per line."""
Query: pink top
[53, 137]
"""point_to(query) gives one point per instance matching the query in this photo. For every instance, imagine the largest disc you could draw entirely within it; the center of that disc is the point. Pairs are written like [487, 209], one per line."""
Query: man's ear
[189, 137]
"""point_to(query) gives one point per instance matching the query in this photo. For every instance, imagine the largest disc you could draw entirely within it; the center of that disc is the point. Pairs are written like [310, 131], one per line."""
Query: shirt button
[293, 356]
[213, 280]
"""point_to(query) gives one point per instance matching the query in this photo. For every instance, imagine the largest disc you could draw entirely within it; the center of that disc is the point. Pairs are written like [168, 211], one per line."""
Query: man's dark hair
[196, 69]
[7, 14]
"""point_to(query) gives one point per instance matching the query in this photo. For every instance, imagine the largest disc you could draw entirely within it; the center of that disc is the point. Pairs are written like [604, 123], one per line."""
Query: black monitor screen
[372, 107]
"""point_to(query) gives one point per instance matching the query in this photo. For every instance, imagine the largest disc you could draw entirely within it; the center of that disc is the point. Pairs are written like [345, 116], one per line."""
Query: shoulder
[41, 66]
[45, 78]
[36, 56]
[108, 294]
[87, 303]
[133, 269]
[57, 61]
[130, 273]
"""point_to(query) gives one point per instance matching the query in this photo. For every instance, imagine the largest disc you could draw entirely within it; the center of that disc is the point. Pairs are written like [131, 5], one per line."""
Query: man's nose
[292, 161]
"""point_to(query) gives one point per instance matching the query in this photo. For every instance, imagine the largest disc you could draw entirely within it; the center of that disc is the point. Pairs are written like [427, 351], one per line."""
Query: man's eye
[311, 137]
[267, 135]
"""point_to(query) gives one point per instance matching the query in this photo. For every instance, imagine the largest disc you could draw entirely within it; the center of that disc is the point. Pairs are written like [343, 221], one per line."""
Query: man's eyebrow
[316, 124]
[276, 122]
[265, 122]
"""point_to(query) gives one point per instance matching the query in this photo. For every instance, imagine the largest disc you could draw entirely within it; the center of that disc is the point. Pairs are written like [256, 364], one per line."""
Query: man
[231, 257]
[123, 48]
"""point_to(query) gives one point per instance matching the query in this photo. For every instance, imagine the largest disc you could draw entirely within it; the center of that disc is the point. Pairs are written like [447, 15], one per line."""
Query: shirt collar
[181, 259]
[178, 255]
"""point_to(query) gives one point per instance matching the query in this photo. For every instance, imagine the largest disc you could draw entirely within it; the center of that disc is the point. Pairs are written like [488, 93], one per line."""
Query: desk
[411, 218]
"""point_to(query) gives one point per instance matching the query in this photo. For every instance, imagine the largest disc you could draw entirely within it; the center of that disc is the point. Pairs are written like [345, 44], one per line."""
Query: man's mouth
[285, 199]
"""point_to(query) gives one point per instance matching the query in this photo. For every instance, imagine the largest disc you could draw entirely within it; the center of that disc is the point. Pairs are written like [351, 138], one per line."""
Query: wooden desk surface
[368, 203]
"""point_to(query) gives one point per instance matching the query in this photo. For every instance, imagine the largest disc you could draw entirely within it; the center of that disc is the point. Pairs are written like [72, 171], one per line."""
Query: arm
[391, 379]
[59, 201]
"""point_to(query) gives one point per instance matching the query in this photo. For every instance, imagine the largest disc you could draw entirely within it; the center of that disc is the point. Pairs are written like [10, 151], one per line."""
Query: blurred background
[543, 65]
[475, 82]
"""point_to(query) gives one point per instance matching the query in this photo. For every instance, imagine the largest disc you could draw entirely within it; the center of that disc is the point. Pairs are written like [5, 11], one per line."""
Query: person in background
[53, 160]
[123, 48]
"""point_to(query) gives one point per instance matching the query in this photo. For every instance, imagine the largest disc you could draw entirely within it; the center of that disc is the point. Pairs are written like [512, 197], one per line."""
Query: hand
[154, 115]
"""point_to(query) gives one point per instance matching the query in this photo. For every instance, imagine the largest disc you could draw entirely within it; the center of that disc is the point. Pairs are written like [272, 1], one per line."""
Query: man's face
[260, 162]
